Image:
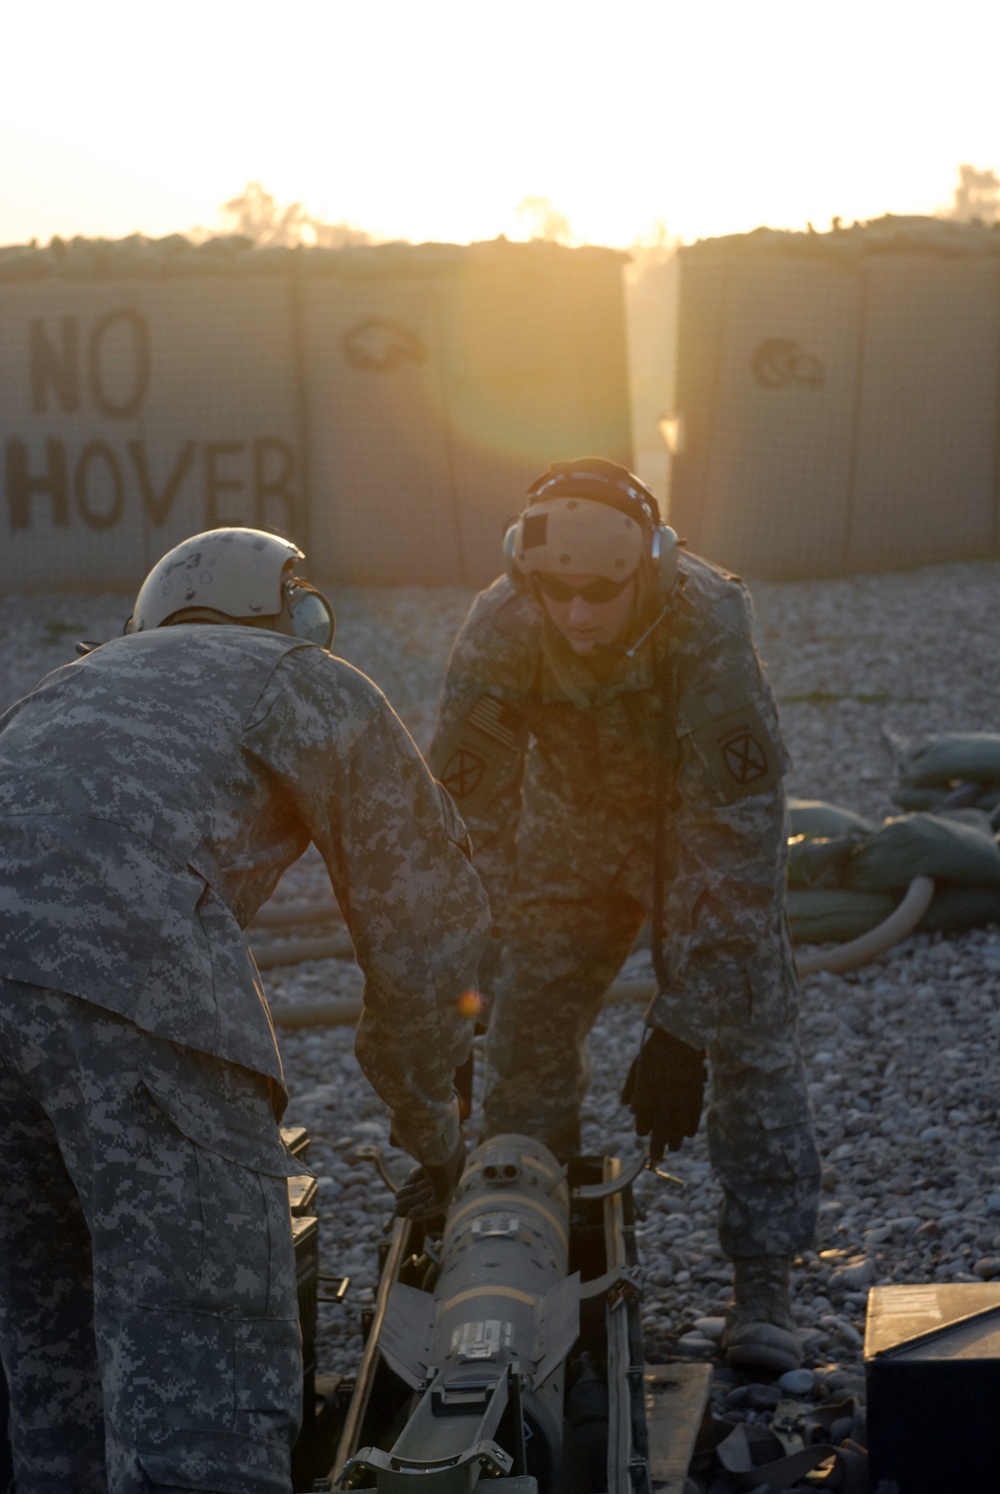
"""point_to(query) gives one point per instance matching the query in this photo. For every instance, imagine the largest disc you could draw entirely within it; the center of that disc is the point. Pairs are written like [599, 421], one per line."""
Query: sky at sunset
[435, 120]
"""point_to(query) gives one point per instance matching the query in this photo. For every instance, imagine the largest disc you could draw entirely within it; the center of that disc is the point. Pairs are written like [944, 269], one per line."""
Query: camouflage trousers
[552, 979]
[148, 1314]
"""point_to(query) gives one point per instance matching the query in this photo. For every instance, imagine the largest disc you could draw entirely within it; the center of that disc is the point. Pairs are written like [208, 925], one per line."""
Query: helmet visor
[311, 614]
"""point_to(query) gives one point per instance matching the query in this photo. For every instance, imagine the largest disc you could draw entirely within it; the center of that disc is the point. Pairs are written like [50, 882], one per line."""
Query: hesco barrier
[838, 398]
[384, 407]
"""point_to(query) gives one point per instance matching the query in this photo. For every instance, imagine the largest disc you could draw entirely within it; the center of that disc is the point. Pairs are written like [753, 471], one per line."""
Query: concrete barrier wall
[127, 421]
[925, 484]
[383, 407]
[839, 397]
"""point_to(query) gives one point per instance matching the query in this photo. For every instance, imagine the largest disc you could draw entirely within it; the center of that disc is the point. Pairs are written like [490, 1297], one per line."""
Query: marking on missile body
[479, 1292]
[535, 1205]
[482, 1339]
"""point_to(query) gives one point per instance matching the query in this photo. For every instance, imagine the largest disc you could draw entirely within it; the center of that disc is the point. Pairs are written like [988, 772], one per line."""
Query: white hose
[295, 951]
[273, 916]
[341, 1012]
[901, 921]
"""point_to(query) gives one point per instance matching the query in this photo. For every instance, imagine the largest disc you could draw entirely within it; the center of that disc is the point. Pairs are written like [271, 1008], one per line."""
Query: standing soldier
[151, 795]
[609, 737]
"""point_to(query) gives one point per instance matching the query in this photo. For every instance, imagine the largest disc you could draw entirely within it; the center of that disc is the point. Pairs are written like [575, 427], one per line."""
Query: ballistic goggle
[311, 614]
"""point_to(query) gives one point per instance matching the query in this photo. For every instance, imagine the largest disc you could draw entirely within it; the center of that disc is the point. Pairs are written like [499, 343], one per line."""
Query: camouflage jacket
[152, 794]
[552, 766]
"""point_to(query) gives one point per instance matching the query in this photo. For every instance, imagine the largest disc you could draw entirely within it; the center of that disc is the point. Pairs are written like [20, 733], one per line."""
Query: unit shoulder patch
[739, 750]
[475, 755]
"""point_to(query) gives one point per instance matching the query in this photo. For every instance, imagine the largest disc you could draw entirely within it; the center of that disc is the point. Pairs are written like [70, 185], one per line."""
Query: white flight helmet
[242, 574]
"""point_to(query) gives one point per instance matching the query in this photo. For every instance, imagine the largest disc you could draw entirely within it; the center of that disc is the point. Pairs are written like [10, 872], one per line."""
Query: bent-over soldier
[610, 739]
[151, 795]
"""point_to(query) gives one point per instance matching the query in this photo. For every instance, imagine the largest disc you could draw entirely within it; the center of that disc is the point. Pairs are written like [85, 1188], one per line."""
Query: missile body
[487, 1348]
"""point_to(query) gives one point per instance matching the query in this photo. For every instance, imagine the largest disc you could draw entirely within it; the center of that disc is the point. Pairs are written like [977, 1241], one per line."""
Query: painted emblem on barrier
[778, 361]
[380, 345]
[463, 773]
[744, 757]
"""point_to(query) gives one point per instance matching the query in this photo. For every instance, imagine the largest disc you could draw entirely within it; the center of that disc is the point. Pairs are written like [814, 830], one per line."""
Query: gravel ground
[900, 1054]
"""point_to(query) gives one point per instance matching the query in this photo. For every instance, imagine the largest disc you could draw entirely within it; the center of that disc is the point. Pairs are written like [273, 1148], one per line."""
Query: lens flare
[470, 1004]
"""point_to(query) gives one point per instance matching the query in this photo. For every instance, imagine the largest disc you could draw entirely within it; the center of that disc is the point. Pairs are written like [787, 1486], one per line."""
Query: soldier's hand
[427, 1190]
[665, 1090]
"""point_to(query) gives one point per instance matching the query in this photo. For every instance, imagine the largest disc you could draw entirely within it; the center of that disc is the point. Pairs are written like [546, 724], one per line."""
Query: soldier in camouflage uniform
[610, 739]
[151, 795]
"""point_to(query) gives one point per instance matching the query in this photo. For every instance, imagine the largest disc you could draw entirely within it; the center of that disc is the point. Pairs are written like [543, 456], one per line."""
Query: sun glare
[440, 121]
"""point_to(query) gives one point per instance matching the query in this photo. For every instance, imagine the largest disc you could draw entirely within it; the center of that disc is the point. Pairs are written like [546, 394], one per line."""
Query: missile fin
[557, 1327]
[407, 1333]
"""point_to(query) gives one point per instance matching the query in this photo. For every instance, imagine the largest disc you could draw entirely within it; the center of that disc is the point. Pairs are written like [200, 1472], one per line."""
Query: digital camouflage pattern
[151, 795]
[552, 766]
[761, 1142]
[170, 1163]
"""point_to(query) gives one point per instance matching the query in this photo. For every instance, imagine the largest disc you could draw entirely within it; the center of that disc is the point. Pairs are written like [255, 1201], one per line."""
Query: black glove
[427, 1190]
[665, 1090]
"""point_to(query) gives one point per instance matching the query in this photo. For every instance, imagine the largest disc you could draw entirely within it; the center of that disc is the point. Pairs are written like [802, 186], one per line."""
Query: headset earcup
[663, 553]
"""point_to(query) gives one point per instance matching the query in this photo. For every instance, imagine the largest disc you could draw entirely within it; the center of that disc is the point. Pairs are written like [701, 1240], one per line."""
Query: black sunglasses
[600, 590]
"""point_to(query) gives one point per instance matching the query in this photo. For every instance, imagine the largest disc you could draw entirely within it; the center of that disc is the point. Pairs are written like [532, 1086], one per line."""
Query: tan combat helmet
[591, 517]
[232, 575]
[577, 536]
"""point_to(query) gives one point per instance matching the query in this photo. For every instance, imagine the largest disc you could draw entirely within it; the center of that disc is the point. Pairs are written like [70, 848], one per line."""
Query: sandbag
[955, 909]
[957, 847]
[986, 799]
[951, 757]
[845, 877]
[833, 915]
[821, 861]
[815, 817]
[825, 916]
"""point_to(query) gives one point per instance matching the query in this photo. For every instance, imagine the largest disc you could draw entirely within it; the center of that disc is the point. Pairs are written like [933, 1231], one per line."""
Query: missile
[485, 1351]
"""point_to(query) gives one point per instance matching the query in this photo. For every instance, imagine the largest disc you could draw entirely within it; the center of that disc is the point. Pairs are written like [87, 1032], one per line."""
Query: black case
[932, 1367]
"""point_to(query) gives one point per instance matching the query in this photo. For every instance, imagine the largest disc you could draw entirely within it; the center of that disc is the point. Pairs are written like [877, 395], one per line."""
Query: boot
[760, 1330]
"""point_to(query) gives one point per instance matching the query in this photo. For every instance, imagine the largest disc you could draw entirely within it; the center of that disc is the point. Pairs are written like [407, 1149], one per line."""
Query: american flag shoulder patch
[496, 719]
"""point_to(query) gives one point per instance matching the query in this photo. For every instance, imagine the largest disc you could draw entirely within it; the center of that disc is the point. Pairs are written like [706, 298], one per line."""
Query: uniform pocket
[210, 1233]
[230, 1406]
[228, 1112]
[785, 1117]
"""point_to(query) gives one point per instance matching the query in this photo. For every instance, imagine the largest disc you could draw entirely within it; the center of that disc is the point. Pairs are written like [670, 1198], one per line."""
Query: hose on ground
[273, 916]
[347, 1009]
[294, 951]
[867, 947]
